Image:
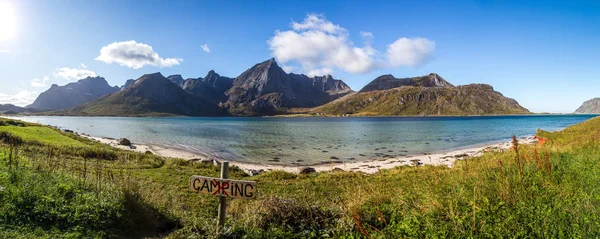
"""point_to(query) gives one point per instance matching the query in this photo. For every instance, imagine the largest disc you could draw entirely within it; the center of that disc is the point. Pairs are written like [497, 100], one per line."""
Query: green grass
[549, 191]
[43, 135]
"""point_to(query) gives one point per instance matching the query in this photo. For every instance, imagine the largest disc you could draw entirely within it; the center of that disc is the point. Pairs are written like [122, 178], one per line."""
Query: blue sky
[542, 53]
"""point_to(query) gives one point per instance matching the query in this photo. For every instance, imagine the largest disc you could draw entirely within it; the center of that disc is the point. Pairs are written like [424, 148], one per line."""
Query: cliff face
[589, 107]
[212, 87]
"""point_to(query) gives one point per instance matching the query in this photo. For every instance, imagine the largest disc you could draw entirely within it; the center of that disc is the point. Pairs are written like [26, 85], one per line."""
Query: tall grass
[545, 191]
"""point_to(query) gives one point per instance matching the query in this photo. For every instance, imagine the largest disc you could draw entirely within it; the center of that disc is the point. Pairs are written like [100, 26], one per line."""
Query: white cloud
[366, 34]
[21, 98]
[319, 23]
[40, 82]
[320, 72]
[205, 48]
[134, 55]
[287, 69]
[70, 74]
[410, 52]
[320, 46]
[4, 51]
[74, 74]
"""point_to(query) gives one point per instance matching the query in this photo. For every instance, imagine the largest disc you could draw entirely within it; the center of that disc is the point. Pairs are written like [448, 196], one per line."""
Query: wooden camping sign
[223, 187]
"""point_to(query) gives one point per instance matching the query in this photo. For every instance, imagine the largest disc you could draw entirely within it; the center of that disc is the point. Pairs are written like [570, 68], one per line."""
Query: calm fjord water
[308, 141]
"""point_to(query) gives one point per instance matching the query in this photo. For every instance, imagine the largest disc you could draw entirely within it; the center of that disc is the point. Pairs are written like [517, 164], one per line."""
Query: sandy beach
[371, 166]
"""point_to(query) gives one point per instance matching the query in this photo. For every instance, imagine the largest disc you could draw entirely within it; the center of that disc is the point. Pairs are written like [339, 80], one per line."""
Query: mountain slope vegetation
[426, 98]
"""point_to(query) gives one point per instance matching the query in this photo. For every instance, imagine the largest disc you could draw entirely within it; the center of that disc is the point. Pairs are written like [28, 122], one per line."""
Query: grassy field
[54, 184]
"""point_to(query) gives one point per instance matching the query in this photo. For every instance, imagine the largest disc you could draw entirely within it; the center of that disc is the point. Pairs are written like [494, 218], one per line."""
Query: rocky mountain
[386, 82]
[589, 107]
[212, 87]
[151, 94]
[177, 79]
[72, 94]
[11, 108]
[266, 89]
[127, 83]
[426, 95]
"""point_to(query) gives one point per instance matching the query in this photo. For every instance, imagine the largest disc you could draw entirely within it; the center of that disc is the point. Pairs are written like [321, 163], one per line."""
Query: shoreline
[292, 115]
[369, 166]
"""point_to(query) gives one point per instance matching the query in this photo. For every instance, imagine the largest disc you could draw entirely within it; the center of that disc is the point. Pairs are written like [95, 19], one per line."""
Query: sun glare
[8, 21]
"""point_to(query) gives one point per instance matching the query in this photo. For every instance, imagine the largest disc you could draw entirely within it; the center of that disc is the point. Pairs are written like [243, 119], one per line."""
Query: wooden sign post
[222, 199]
[223, 188]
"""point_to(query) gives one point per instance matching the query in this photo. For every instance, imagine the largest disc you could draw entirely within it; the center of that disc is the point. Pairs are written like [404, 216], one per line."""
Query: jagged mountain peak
[177, 79]
[212, 75]
[127, 83]
[155, 74]
[151, 76]
[270, 64]
[266, 88]
[152, 79]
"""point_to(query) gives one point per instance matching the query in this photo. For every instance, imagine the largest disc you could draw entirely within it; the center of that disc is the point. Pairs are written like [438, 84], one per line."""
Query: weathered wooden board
[223, 187]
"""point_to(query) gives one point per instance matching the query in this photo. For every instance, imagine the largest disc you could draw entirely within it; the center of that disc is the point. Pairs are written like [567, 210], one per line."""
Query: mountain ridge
[151, 94]
[266, 89]
[213, 86]
[73, 94]
[422, 96]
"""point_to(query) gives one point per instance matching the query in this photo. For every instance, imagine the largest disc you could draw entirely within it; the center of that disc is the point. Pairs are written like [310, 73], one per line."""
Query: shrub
[292, 215]
[9, 138]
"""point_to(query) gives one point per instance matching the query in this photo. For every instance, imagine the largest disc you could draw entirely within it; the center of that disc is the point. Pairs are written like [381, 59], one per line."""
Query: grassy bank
[54, 184]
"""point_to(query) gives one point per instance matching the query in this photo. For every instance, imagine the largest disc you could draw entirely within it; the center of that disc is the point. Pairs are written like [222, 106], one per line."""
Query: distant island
[267, 90]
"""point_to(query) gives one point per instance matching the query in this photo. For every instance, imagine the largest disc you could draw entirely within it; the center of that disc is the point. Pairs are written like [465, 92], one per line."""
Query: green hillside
[474, 99]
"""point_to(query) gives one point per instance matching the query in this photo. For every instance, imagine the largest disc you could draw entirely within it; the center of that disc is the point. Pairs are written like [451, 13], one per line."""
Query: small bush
[15, 123]
[291, 215]
[9, 138]
[374, 213]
